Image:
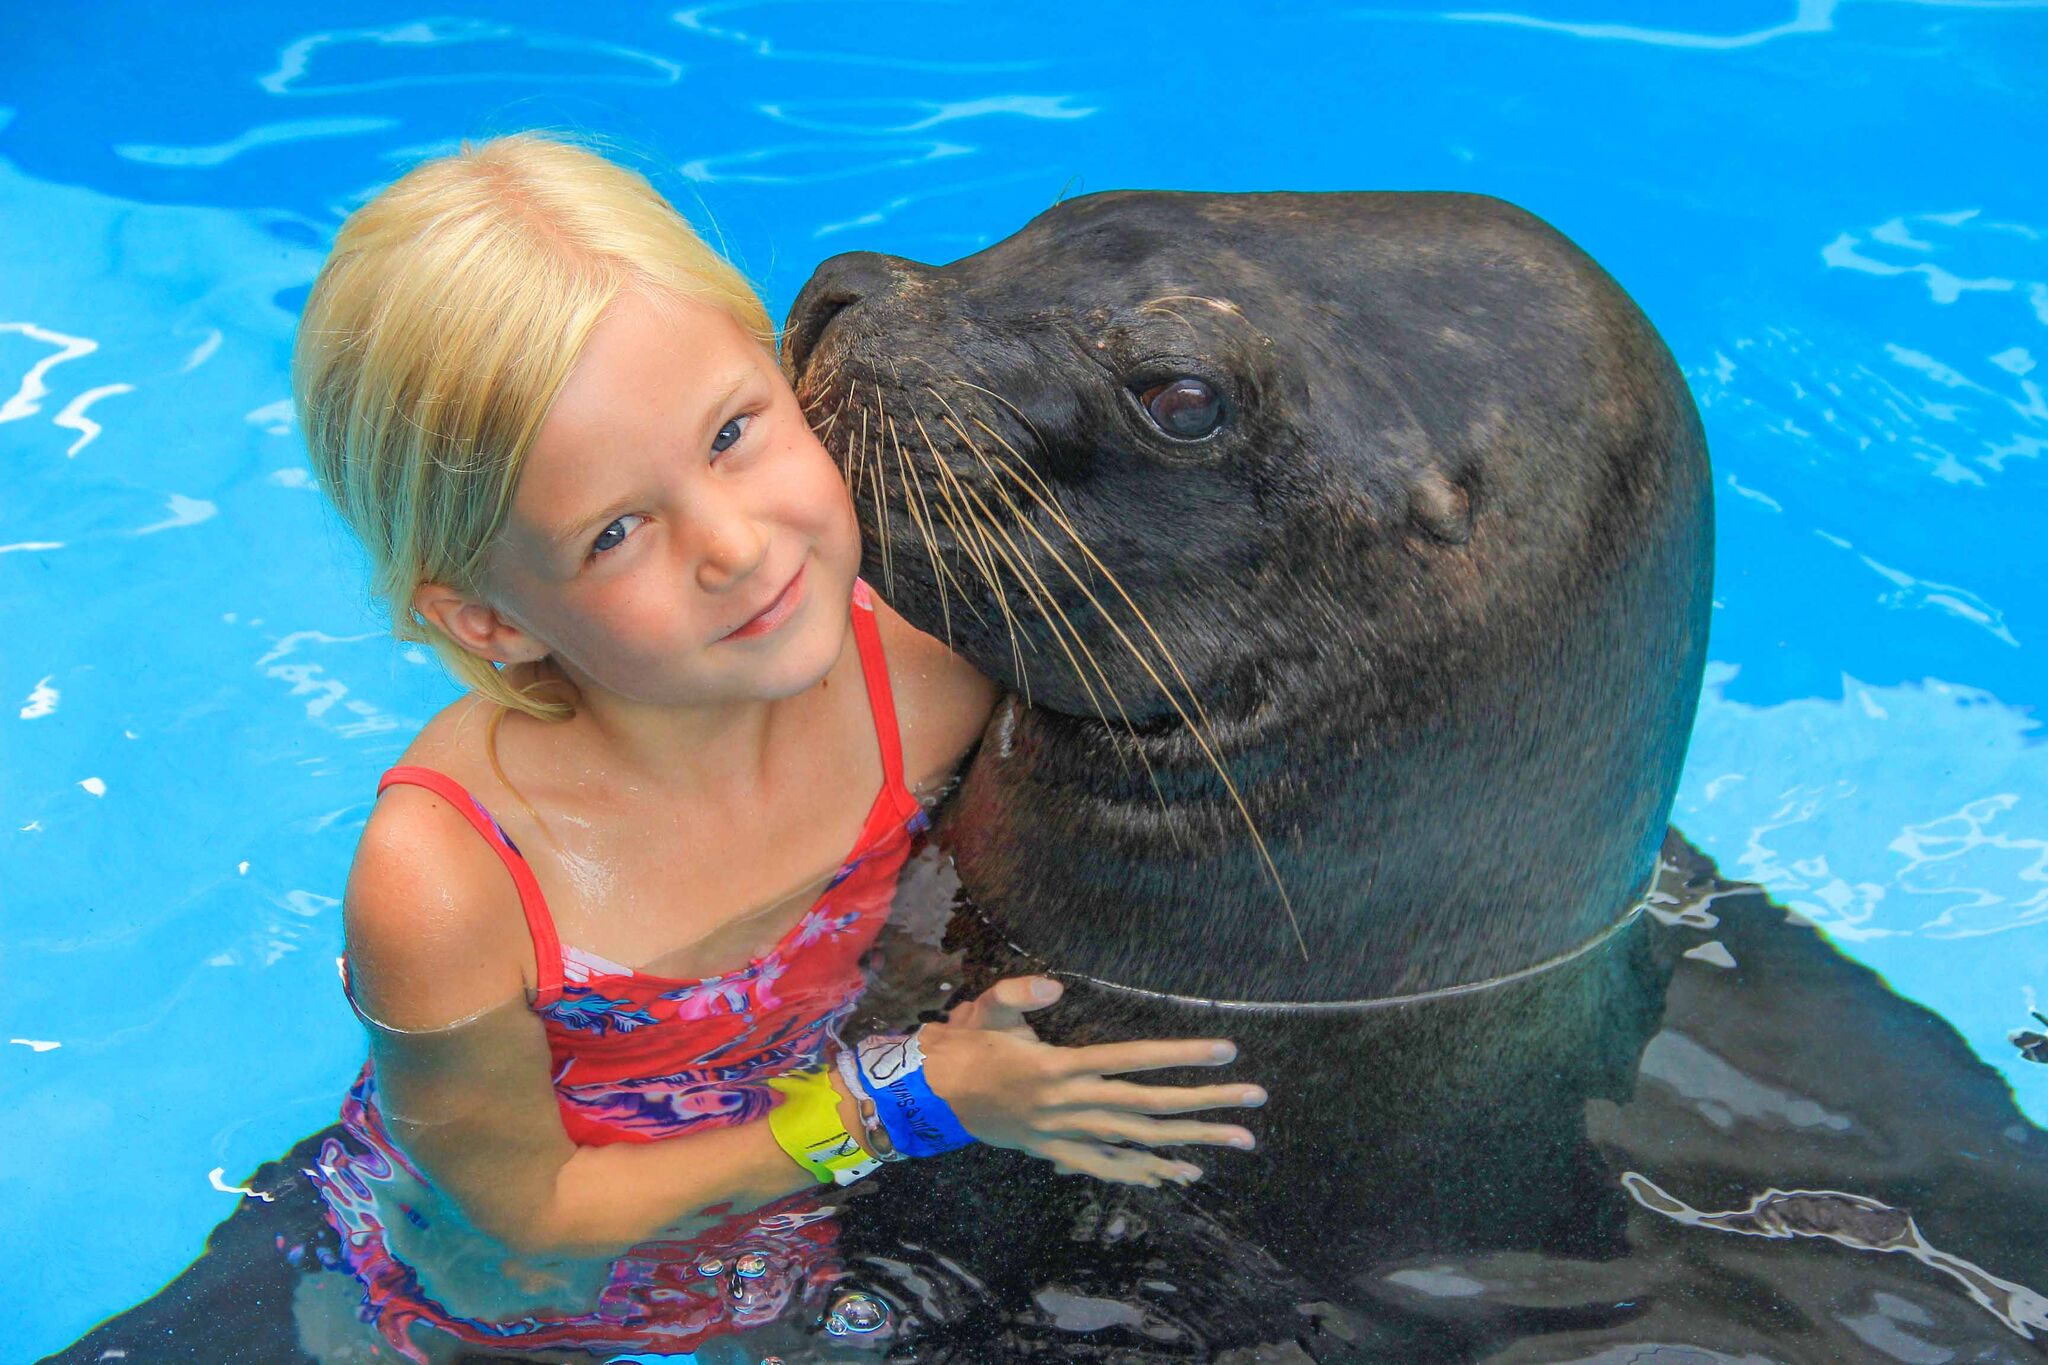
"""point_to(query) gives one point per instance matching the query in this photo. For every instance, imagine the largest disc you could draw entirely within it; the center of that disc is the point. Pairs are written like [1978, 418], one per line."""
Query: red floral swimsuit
[637, 1058]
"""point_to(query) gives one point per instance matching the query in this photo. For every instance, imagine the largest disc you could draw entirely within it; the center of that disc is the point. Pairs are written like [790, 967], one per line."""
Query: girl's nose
[731, 543]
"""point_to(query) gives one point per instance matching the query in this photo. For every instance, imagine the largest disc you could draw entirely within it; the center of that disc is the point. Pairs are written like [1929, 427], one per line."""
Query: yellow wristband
[807, 1126]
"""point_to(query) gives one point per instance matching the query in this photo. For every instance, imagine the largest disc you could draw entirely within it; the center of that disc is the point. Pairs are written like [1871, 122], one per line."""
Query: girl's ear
[476, 626]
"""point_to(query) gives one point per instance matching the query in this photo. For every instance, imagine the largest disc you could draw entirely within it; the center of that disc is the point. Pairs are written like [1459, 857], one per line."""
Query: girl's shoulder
[432, 920]
[452, 742]
[942, 704]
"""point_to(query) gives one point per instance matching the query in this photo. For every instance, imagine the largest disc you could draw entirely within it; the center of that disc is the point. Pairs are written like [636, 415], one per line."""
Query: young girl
[606, 917]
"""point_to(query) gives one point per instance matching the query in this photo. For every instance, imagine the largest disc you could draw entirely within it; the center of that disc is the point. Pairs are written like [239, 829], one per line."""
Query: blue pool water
[1827, 206]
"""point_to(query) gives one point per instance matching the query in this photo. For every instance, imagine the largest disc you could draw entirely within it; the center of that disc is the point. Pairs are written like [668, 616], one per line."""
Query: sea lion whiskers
[971, 545]
[863, 474]
[1054, 615]
[920, 516]
[819, 387]
[971, 540]
[800, 384]
[1197, 731]
[1060, 519]
[1220, 305]
[881, 498]
[1057, 621]
[961, 533]
[1157, 307]
[821, 392]
[950, 485]
[1022, 417]
[819, 395]
[1048, 501]
[1047, 602]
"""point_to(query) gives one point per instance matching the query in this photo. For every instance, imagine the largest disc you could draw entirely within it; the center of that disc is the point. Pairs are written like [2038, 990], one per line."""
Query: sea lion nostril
[840, 283]
[860, 274]
[807, 323]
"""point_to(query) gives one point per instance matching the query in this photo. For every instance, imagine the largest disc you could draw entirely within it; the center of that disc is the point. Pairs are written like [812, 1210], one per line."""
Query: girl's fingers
[1110, 1125]
[1152, 1054]
[1097, 1093]
[1002, 1007]
[1118, 1165]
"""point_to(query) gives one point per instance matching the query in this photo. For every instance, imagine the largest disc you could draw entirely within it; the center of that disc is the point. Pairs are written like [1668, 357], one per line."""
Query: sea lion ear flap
[1440, 507]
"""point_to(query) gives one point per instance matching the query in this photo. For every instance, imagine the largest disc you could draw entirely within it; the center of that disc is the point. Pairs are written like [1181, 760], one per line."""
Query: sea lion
[1378, 524]
[1394, 503]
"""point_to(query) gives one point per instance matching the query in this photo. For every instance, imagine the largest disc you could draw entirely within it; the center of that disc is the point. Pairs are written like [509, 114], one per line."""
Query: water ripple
[1945, 855]
[1942, 285]
[1857, 1222]
[328, 703]
[73, 416]
[1863, 860]
[263, 135]
[26, 400]
[889, 208]
[898, 116]
[536, 58]
[1891, 817]
[1808, 17]
[1965, 414]
[42, 700]
[708, 21]
[1917, 592]
[183, 511]
[1811, 16]
[810, 163]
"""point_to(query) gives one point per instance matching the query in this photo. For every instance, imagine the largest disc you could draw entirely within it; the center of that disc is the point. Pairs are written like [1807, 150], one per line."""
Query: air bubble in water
[856, 1314]
[750, 1265]
[710, 1267]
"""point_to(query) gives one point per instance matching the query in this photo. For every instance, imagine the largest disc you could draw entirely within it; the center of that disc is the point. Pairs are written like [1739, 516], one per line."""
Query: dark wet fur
[1435, 598]
[1794, 1070]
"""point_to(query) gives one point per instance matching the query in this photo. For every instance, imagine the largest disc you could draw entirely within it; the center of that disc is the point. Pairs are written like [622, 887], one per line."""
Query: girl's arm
[438, 950]
[438, 955]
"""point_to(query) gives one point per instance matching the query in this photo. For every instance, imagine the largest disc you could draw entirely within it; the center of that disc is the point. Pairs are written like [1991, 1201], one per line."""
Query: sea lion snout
[840, 283]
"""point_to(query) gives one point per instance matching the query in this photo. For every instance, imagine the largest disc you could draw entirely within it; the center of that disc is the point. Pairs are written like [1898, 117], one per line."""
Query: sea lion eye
[1186, 408]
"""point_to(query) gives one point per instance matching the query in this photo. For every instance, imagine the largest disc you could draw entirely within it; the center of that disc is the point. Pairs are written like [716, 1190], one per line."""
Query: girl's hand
[1011, 1090]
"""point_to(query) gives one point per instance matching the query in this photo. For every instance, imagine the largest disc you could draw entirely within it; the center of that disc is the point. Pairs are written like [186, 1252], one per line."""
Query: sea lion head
[1380, 509]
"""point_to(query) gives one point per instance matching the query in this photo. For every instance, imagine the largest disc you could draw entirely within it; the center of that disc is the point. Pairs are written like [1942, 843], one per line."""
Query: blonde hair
[452, 309]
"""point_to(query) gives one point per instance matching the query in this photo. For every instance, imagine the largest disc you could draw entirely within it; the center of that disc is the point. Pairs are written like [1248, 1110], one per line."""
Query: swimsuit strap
[547, 945]
[874, 668]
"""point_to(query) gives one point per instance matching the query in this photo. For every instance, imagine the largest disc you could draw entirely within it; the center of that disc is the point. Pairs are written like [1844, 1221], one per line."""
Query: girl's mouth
[775, 613]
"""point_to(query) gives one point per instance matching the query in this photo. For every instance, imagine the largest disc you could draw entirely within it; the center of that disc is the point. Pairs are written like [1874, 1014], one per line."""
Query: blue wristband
[918, 1122]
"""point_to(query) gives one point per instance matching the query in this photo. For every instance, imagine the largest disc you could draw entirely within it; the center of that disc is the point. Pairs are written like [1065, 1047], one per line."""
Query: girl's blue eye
[730, 433]
[612, 536]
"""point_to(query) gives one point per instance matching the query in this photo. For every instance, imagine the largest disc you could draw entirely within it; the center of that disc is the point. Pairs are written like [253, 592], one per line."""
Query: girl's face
[679, 536]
